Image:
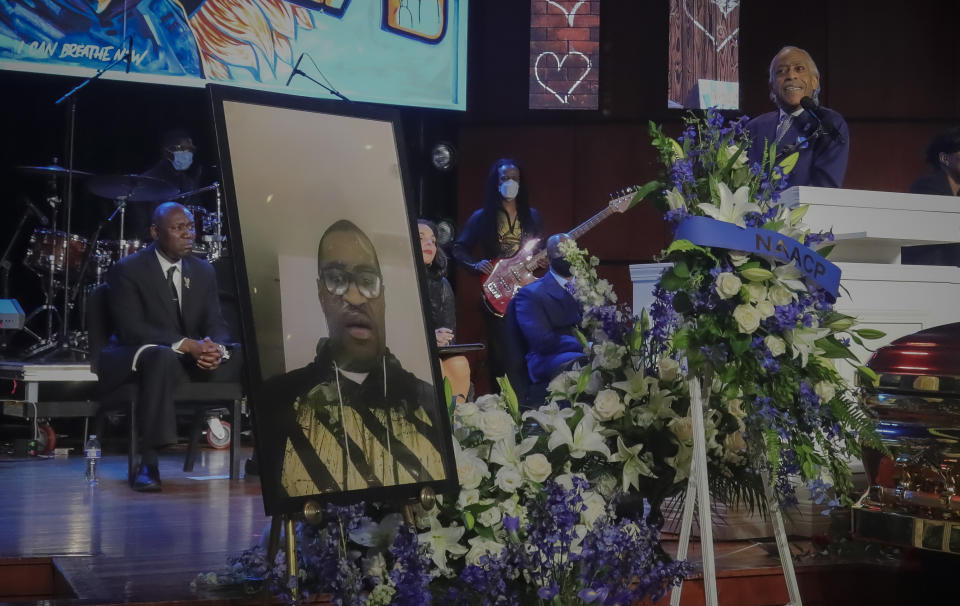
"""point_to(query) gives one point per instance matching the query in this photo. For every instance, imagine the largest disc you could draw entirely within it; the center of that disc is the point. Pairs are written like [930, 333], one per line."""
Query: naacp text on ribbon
[704, 231]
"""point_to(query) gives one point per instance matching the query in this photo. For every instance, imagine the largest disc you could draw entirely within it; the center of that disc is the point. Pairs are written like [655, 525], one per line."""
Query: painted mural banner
[404, 52]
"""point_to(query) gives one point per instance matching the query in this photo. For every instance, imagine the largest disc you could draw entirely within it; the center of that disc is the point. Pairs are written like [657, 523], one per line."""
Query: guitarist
[498, 230]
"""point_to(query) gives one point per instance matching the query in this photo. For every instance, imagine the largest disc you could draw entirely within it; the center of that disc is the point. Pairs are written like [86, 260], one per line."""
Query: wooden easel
[698, 489]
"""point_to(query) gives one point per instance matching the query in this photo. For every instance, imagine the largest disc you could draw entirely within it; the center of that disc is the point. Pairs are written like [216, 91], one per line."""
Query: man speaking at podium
[800, 124]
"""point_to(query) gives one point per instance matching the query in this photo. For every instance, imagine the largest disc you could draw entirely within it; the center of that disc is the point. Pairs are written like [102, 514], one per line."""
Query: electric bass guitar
[510, 274]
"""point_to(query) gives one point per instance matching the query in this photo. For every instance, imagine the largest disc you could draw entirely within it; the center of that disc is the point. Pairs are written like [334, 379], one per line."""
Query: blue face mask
[182, 160]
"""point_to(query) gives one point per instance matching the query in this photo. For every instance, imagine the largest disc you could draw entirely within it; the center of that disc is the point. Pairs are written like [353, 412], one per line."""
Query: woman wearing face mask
[498, 230]
[443, 308]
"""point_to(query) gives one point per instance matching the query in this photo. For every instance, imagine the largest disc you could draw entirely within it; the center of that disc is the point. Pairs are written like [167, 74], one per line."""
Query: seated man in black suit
[169, 329]
[943, 156]
[354, 418]
[547, 315]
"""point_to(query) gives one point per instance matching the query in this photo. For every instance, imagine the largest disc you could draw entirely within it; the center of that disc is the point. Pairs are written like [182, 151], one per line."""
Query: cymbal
[52, 170]
[132, 188]
[187, 194]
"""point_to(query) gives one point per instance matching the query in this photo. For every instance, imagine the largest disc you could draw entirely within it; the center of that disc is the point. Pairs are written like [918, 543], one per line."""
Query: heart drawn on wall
[569, 13]
[726, 7]
[563, 98]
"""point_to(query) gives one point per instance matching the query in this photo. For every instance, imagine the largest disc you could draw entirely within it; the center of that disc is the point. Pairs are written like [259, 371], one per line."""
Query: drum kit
[73, 262]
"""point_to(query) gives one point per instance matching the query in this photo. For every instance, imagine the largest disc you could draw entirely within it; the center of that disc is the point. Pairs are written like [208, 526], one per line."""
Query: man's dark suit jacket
[142, 309]
[547, 315]
[822, 164]
[935, 183]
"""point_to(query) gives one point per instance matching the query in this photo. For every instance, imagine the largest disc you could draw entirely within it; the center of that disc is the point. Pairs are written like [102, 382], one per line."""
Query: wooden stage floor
[113, 545]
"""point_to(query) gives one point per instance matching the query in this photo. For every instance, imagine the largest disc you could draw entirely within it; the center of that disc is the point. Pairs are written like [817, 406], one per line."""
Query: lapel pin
[186, 282]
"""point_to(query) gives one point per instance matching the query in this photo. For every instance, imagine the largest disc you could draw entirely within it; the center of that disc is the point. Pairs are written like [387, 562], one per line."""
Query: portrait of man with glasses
[353, 418]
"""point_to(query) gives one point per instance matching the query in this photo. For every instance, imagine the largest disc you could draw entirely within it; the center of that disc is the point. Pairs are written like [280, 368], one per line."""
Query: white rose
[682, 428]
[825, 390]
[497, 425]
[595, 505]
[738, 258]
[480, 547]
[728, 285]
[608, 355]
[735, 408]
[512, 507]
[747, 317]
[471, 470]
[780, 295]
[765, 309]
[758, 292]
[489, 517]
[508, 479]
[467, 414]
[668, 369]
[491, 401]
[733, 445]
[537, 468]
[607, 406]
[468, 496]
[776, 345]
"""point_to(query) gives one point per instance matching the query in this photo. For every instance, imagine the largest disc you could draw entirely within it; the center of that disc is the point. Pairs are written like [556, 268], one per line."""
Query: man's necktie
[173, 291]
[783, 127]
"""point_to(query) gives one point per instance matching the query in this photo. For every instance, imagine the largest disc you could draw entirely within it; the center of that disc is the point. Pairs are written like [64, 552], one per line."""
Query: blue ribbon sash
[704, 231]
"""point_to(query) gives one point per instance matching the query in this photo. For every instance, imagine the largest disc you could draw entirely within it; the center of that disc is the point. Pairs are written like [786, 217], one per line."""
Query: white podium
[869, 229]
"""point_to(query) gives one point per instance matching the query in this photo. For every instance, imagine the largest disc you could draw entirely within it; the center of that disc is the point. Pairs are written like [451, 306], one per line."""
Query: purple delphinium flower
[411, 571]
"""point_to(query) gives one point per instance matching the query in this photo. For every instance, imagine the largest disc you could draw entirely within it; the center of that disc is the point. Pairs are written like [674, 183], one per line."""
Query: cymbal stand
[121, 205]
[71, 145]
[217, 248]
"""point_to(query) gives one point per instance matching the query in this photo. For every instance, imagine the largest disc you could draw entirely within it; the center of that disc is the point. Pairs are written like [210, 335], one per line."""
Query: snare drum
[111, 251]
[45, 243]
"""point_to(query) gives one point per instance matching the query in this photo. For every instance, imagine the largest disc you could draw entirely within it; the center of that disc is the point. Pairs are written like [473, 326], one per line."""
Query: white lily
[634, 465]
[733, 205]
[442, 540]
[635, 387]
[507, 452]
[658, 407]
[681, 462]
[674, 199]
[549, 415]
[791, 277]
[585, 438]
[803, 340]
[378, 536]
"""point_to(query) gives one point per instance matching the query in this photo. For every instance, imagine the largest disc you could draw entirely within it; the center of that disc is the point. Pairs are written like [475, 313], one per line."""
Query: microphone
[129, 52]
[813, 108]
[296, 69]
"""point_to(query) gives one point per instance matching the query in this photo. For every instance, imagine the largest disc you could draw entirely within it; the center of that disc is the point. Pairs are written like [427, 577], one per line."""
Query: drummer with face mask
[177, 166]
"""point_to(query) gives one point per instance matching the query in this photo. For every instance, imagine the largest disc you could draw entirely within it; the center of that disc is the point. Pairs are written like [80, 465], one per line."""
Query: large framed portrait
[344, 377]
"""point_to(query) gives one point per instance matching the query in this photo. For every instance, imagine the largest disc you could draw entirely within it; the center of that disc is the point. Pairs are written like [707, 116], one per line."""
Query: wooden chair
[199, 395]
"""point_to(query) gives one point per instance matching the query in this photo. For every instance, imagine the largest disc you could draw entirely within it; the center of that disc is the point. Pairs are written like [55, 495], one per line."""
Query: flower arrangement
[560, 504]
[760, 331]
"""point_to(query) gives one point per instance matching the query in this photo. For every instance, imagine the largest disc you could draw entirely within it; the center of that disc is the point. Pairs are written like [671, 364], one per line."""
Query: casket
[912, 497]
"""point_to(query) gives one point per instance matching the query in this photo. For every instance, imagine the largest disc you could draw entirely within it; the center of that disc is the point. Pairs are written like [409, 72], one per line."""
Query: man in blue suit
[547, 315]
[822, 160]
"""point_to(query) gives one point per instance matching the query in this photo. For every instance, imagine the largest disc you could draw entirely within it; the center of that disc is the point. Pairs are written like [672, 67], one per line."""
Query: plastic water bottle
[91, 453]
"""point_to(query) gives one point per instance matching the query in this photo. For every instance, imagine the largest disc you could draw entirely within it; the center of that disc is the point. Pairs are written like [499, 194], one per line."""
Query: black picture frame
[243, 252]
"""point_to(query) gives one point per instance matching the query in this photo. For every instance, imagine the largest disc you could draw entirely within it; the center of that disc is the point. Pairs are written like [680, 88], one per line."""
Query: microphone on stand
[129, 52]
[813, 108]
[296, 69]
